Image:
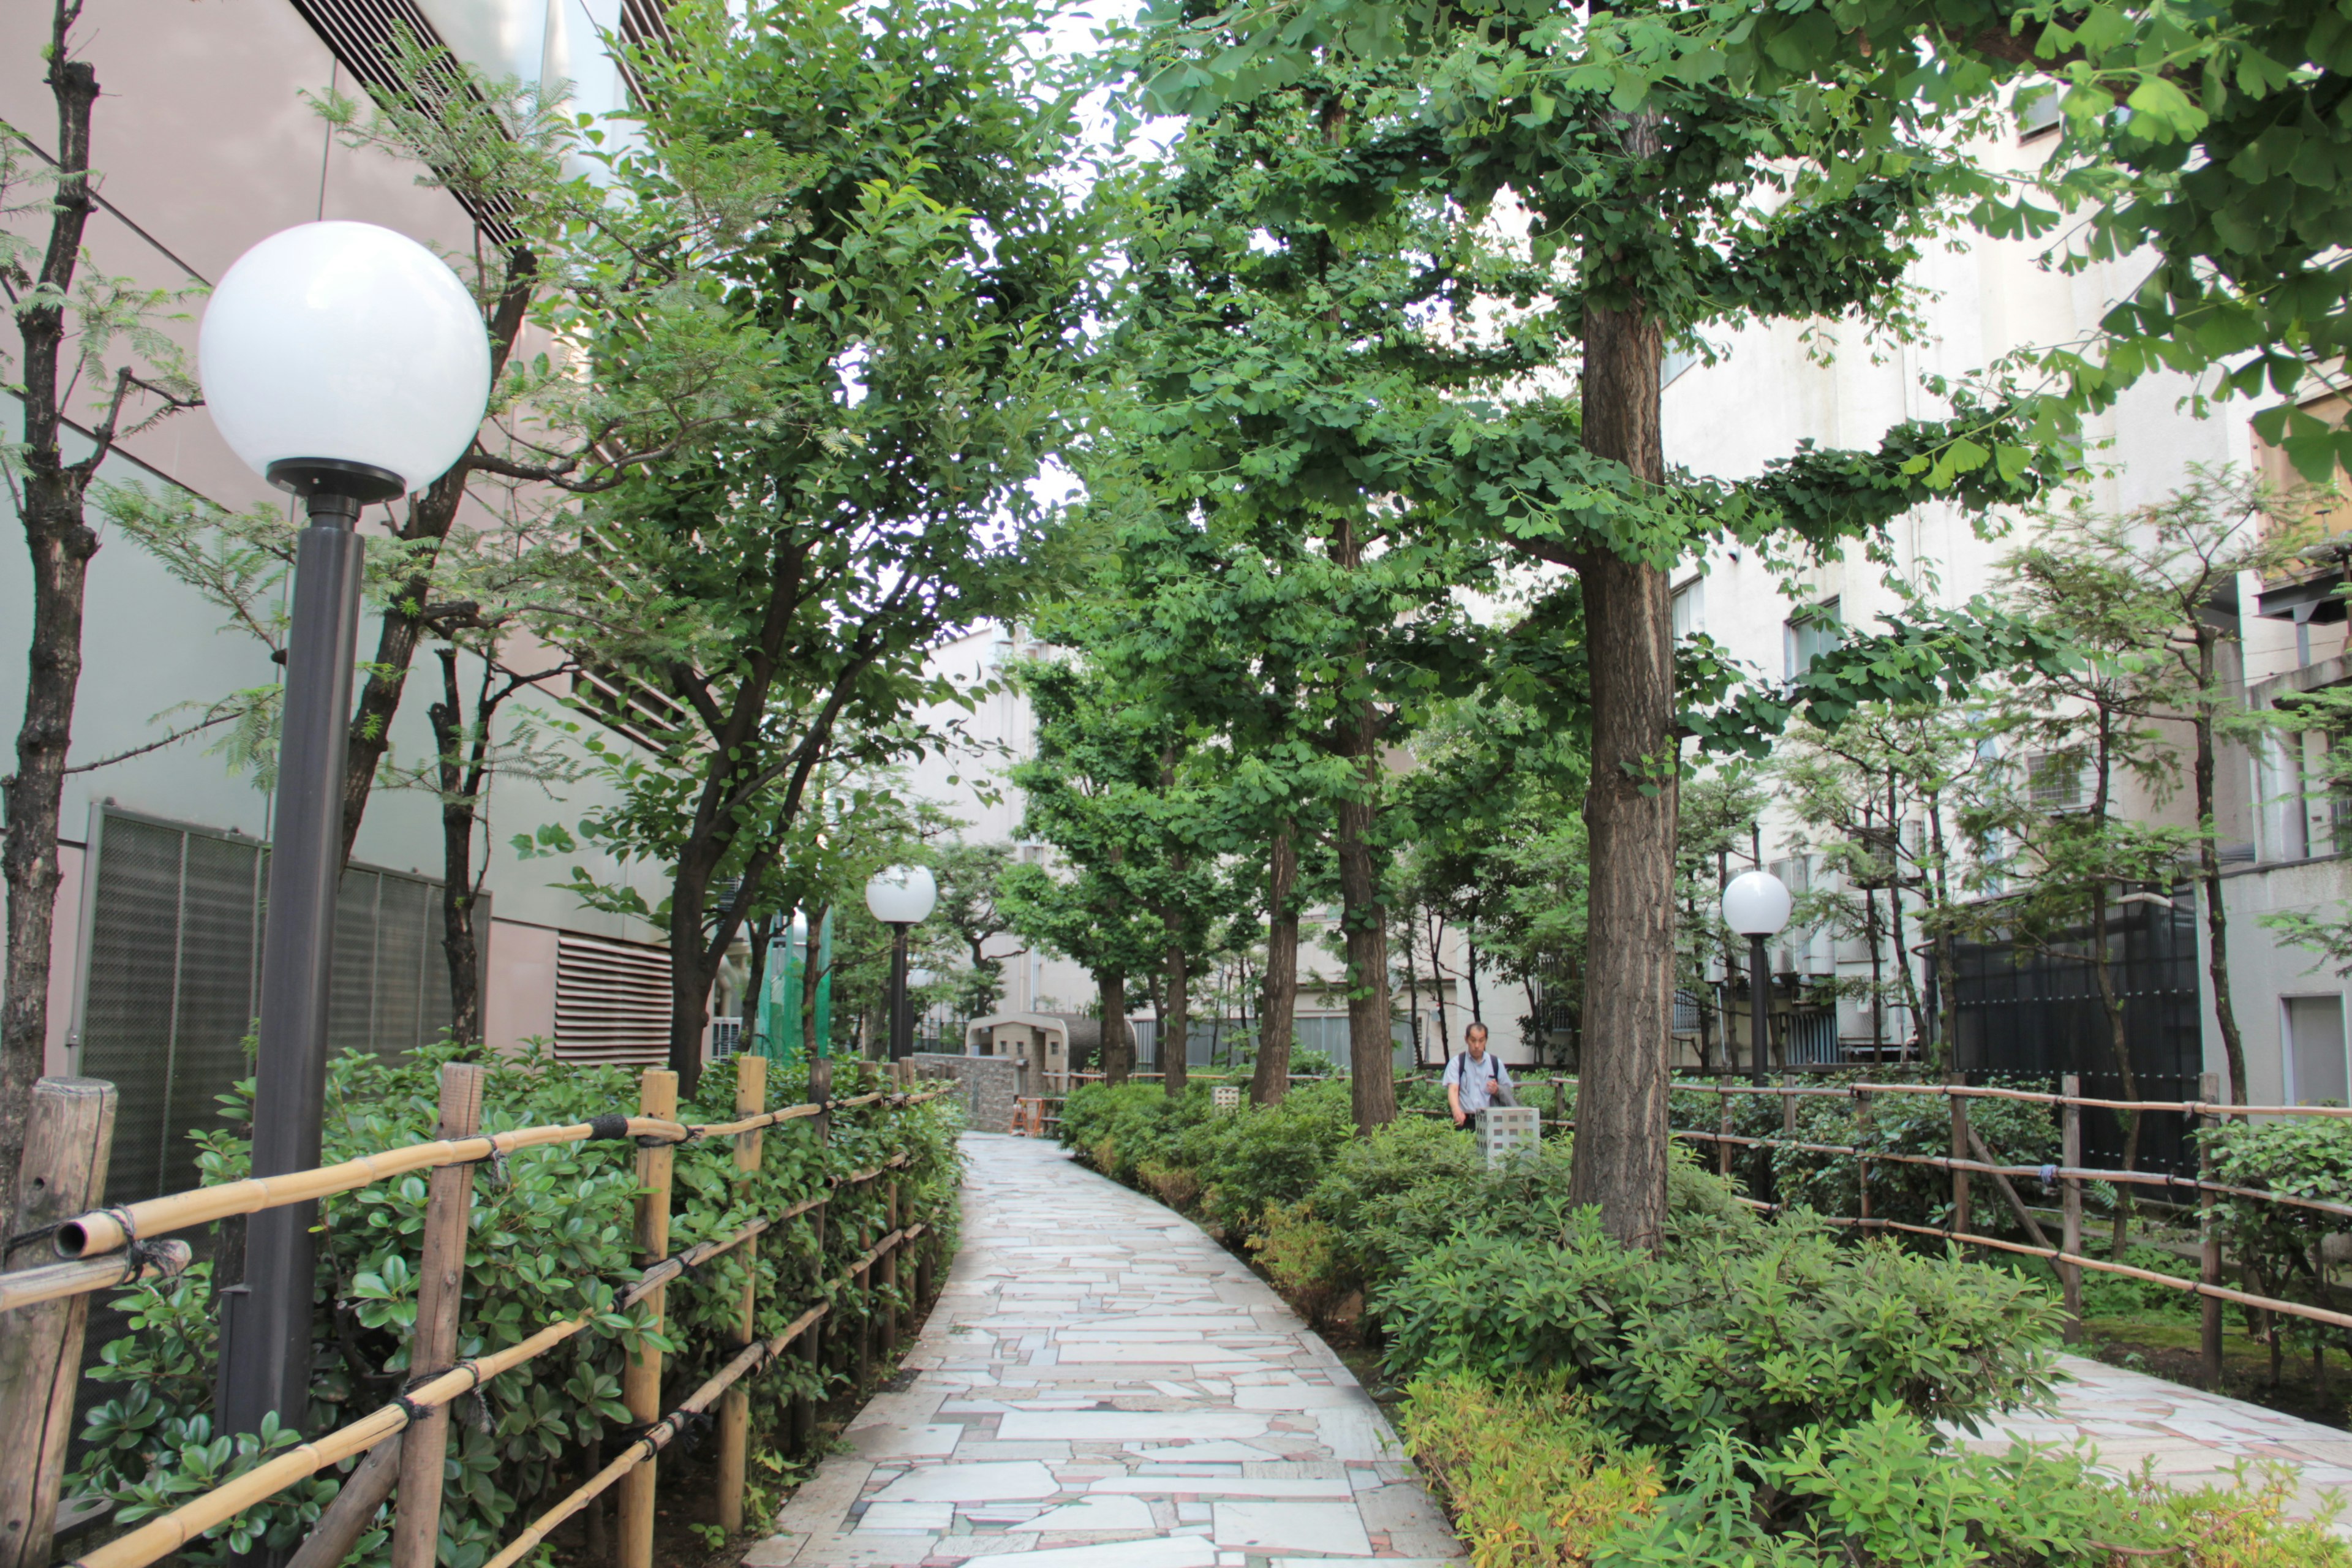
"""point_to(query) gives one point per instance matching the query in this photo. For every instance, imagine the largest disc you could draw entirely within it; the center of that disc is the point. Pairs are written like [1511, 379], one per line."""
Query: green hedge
[547, 1241]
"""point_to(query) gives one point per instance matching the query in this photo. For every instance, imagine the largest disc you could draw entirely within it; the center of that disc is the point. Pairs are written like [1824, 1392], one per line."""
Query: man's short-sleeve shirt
[1476, 1080]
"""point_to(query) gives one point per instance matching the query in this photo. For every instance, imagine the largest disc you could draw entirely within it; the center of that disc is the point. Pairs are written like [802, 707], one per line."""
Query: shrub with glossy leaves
[1752, 1335]
[548, 1239]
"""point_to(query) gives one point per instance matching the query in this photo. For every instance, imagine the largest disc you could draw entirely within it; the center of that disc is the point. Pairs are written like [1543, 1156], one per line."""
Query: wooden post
[1863, 1130]
[2070, 1152]
[1560, 1102]
[1723, 1126]
[813, 1344]
[68, 1133]
[641, 1379]
[1789, 1106]
[2209, 1263]
[735, 1405]
[433, 1346]
[864, 1288]
[1962, 1219]
[889, 1270]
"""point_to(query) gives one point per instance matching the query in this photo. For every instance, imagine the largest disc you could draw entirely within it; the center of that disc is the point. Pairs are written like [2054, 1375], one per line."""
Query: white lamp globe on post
[900, 897]
[1757, 904]
[346, 364]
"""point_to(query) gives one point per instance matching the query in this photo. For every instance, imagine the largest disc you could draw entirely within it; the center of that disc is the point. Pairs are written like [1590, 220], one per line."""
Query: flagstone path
[1100, 1386]
[2190, 1439]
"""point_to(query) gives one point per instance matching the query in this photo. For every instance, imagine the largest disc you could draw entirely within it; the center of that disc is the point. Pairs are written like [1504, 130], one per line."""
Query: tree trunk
[1412, 988]
[1470, 973]
[1364, 922]
[690, 979]
[460, 944]
[1271, 1078]
[1363, 913]
[755, 979]
[1118, 1056]
[62, 544]
[1176, 1014]
[1438, 986]
[2209, 874]
[1619, 1158]
[814, 962]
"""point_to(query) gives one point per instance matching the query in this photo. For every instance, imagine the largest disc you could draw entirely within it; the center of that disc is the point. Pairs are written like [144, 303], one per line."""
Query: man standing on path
[1474, 1079]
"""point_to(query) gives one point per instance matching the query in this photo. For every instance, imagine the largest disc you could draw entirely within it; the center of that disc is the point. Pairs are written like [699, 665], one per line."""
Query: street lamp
[900, 897]
[346, 364]
[1756, 904]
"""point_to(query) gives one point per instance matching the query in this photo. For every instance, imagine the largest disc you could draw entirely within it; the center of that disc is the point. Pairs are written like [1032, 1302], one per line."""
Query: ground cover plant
[549, 1238]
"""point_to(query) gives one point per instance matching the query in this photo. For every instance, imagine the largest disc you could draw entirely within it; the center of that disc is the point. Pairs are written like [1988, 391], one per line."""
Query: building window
[1810, 633]
[1690, 608]
[2037, 110]
[2316, 1072]
[2053, 781]
[2306, 501]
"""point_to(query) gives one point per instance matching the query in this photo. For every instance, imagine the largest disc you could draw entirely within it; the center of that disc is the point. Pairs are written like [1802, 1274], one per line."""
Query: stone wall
[990, 1085]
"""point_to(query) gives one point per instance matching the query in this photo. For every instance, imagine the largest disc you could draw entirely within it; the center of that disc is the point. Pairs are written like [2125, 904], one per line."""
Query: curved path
[1100, 1386]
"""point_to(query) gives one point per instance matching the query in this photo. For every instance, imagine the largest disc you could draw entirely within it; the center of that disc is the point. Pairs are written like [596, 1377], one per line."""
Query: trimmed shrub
[1528, 1478]
[1751, 1335]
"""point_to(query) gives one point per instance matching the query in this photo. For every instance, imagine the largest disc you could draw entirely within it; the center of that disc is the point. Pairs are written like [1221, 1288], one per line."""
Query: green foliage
[1752, 1335]
[1531, 1481]
[548, 1239]
[1266, 1156]
[2015, 1132]
[2304, 1156]
[1883, 1488]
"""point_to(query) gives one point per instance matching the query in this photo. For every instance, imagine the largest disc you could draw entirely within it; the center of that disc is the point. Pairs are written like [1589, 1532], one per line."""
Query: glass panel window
[2316, 1068]
[1811, 633]
[1690, 608]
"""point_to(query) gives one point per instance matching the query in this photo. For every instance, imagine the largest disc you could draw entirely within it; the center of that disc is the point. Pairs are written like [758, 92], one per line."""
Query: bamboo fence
[108, 1248]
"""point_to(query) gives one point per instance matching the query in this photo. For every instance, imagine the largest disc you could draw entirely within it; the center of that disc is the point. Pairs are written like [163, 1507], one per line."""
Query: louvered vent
[364, 37]
[612, 1001]
[171, 973]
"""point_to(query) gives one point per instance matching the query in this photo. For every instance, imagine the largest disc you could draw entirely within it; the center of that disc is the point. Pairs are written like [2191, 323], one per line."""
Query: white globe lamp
[346, 364]
[1756, 905]
[902, 894]
[900, 897]
[344, 357]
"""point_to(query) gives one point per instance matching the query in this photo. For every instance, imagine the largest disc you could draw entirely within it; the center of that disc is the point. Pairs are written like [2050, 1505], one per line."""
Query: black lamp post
[348, 364]
[1757, 904]
[901, 896]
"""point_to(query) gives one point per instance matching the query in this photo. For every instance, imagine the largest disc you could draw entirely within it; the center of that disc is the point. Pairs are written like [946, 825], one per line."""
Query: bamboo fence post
[1788, 1105]
[2209, 1235]
[1723, 1127]
[1962, 1220]
[433, 1346]
[1560, 1102]
[889, 1271]
[813, 1344]
[863, 1283]
[68, 1133]
[1863, 1128]
[641, 1379]
[2070, 1152]
[735, 1405]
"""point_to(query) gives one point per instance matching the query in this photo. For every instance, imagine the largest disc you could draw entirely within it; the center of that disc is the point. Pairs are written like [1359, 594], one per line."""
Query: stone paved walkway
[2191, 1437]
[1102, 1386]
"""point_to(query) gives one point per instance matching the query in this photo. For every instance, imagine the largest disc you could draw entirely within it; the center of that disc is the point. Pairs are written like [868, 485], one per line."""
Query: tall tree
[77, 329]
[917, 297]
[1279, 330]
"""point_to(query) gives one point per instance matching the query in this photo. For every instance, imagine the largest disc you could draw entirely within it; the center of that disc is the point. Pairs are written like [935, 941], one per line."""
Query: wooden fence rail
[1970, 1158]
[408, 1436]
